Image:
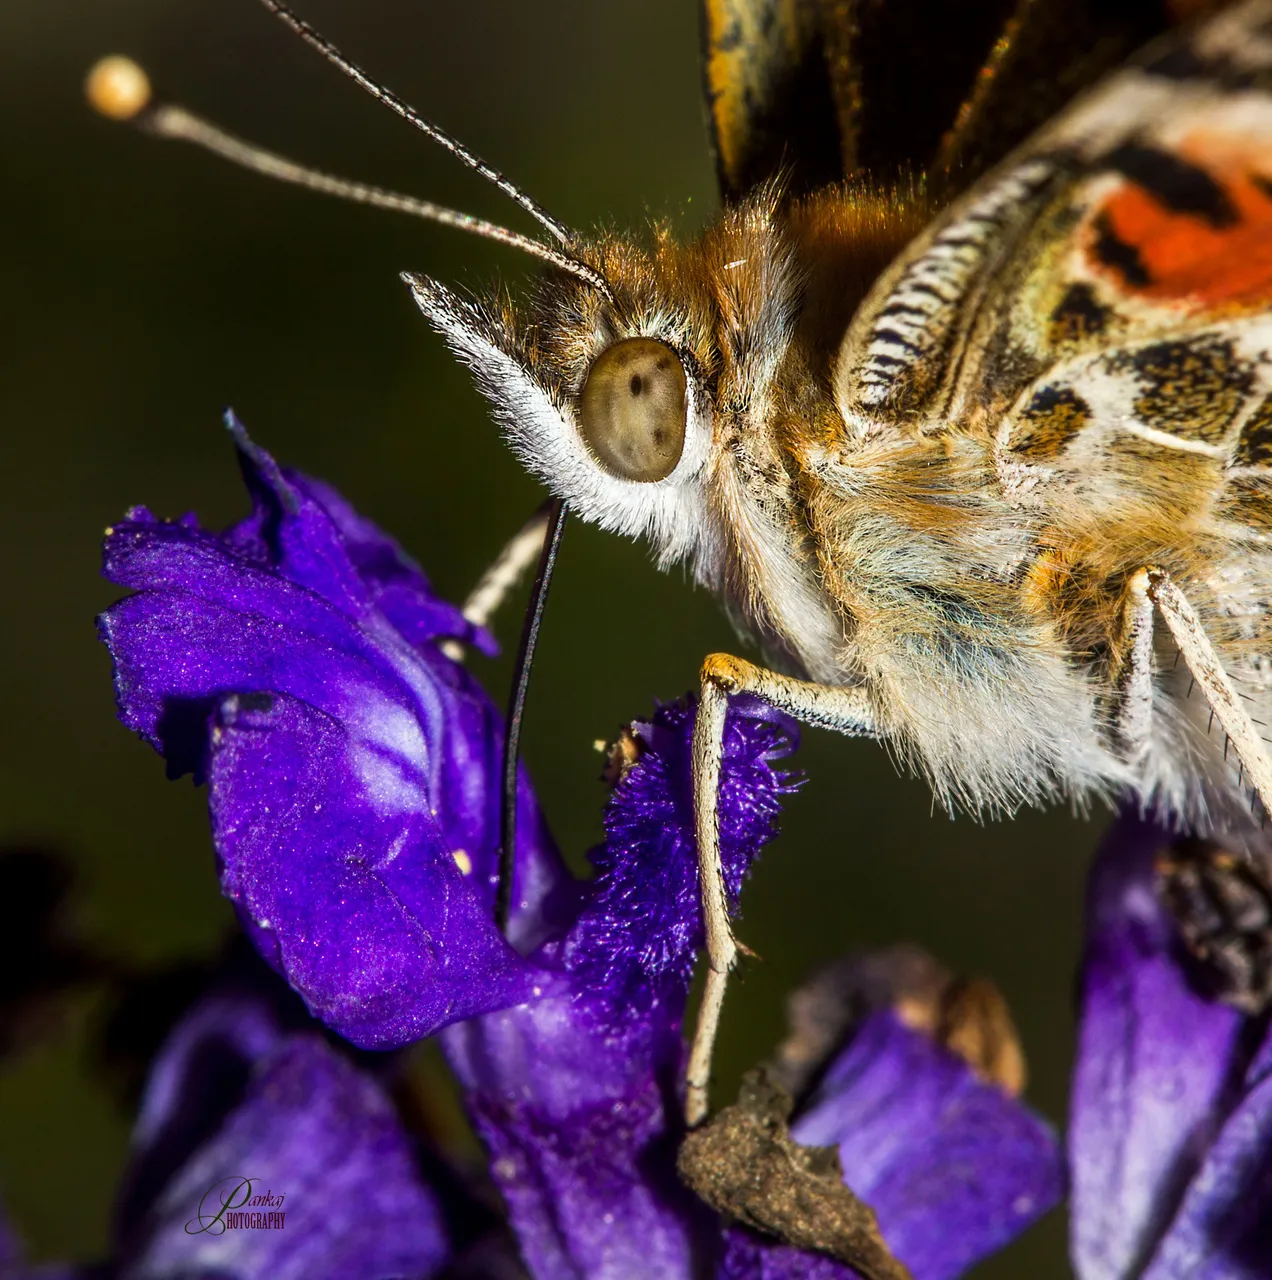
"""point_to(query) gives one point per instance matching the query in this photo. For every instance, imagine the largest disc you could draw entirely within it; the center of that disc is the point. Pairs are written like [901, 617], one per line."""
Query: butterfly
[962, 406]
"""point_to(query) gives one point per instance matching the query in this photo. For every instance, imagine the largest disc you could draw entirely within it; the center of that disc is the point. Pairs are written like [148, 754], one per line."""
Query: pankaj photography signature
[233, 1204]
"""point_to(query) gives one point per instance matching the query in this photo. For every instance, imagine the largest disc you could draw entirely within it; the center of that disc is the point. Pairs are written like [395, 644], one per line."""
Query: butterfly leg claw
[846, 709]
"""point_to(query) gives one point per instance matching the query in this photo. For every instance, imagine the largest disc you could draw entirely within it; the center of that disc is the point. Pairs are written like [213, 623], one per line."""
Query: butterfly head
[624, 399]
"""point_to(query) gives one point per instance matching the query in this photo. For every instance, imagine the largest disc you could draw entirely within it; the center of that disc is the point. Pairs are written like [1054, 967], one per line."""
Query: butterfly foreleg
[845, 709]
[1133, 720]
[501, 578]
[1207, 669]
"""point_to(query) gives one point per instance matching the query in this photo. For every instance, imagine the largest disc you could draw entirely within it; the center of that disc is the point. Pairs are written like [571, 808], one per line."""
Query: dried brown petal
[745, 1165]
[968, 1015]
[976, 1024]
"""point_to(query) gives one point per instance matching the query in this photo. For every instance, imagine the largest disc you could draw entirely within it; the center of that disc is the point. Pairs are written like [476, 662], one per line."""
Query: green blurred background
[146, 286]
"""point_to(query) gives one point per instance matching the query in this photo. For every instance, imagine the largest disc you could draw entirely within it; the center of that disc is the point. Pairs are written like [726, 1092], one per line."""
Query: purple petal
[10, 1245]
[1155, 1067]
[953, 1167]
[280, 604]
[396, 583]
[345, 882]
[576, 1093]
[321, 1142]
[750, 1256]
[582, 1142]
[206, 623]
[1223, 1230]
[199, 1074]
[354, 768]
[312, 536]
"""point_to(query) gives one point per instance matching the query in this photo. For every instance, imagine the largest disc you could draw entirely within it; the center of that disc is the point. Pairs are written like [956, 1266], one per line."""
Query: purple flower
[1170, 1139]
[576, 1097]
[262, 1152]
[311, 1138]
[926, 1143]
[293, 663]
[952, 1165]
[576, 1091]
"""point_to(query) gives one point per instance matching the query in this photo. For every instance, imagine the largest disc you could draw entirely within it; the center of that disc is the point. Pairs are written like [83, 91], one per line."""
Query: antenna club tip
[117, 88]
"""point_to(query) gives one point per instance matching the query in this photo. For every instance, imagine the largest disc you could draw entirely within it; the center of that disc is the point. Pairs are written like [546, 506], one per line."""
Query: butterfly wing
[1140, 211]
[769, 97]
[1046, 53]
[812, 91]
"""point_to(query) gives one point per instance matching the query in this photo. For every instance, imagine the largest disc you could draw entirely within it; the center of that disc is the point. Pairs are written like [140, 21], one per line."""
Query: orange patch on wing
[1187, 259]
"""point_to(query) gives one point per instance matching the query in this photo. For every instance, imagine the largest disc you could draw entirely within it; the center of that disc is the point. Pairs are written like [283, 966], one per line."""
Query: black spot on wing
[905, 309]
[1079, 316]
[1254, 445]
[769, 95]
[1174, 182]
[1192, 388]
[890, 362]
[1051, 419]
[1116, 254]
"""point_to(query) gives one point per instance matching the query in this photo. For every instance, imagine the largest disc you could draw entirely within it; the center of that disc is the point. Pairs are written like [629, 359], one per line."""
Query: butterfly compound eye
[632, 412]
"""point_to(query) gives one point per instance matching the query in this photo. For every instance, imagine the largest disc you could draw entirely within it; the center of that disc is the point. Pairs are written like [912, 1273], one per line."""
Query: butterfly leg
[1207, 669]
[846, 709]
[1133, 723]
[500, 580]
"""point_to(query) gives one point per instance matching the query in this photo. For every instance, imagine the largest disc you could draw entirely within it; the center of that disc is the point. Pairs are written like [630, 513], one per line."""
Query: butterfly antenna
[443, 139]
[120, 90]
[517, 707]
